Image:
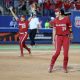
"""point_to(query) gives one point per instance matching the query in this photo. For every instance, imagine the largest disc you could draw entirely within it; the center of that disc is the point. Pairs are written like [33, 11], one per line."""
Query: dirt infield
[35, 67]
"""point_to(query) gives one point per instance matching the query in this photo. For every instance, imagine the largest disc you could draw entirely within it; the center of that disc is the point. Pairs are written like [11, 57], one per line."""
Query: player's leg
[32, 36]
[25, 46]
[59, 42]
[23, 42]
[66, 43]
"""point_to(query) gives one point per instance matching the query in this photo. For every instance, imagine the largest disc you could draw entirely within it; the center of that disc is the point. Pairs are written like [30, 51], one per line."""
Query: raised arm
[14, 15]
[29, 19]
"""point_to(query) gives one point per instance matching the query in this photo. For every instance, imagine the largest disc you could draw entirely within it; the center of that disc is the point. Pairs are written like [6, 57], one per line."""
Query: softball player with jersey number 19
[62, 35]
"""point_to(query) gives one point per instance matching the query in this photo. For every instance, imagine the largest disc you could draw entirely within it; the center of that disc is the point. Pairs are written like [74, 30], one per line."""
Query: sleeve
[69, 22]
[69, 25]
[18, 20]
[52, 23]
[27, 21]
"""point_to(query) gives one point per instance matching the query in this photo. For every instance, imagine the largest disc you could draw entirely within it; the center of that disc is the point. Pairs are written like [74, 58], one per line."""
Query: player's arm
[29, 19]
[71, 33]
[70, 28]
[51, 24]
[54, 34]
[38, 24]
[11, 9]
[54, 37]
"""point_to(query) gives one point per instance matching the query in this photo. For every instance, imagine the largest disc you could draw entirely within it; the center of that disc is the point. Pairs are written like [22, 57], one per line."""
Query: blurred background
[45, 12]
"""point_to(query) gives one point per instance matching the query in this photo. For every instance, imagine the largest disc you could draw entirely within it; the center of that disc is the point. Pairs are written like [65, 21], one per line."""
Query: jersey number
[63, 28]
[23, 26]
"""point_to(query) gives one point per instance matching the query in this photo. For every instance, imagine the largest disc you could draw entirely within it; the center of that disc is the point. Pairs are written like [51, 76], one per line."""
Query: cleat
[50, 69]
[65, 70]
[29, 50]
[21, 55]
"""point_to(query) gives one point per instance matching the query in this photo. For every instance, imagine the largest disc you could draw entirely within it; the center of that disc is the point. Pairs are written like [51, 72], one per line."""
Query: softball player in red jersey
[23, 31]
[63, 31]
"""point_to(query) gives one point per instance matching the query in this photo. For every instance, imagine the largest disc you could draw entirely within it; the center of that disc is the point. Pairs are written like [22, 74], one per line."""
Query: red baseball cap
[57, 10]
[22, 16]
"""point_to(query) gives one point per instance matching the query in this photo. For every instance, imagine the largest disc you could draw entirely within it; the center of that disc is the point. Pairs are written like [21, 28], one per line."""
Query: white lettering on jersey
[23, 25]
[63, 26]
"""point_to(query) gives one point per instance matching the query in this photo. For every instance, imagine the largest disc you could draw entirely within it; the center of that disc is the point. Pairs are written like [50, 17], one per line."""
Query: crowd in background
[41, 7]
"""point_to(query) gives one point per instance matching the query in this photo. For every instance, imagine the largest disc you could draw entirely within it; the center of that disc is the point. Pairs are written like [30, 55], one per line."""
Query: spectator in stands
[33, 25]
[32, 8]
[27, 6]
[13, 23]
[30, 2]
[52, 7]
[7, 3]
[22, 7]
[1, 10]
[16, 5]
[33, 1]
[58, 4]
[47, 24]
[52, 1]
[67, 6]
[36, 1]
[39, 11]
[47, 5]
[77, 5]
[40, 3]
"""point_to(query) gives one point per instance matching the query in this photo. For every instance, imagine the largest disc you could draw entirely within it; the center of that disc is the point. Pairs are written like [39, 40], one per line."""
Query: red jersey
[62, 26]
[47, 5]
[67, 5]
[23, 26]
[58, 4]
[77, 5]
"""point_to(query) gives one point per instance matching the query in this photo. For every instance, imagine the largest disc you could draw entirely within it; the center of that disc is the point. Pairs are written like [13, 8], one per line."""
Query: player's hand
[10, 8]
[37, 30]
[71, 36]
[29, 19]
[54, 42]
[54, 38]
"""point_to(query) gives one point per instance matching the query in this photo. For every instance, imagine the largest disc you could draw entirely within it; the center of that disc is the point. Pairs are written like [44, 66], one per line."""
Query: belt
[22, 32]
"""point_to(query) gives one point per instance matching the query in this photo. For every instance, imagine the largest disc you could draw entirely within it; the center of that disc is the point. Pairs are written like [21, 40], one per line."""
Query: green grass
[38, 47]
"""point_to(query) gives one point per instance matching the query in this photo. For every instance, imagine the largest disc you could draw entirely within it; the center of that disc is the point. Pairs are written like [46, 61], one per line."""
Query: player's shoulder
[26, 21]
[56, 19]
[67, 17]
[18, 20]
